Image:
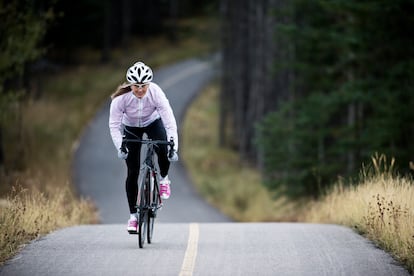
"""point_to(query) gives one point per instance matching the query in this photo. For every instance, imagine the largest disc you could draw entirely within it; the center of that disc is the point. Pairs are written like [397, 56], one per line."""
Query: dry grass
[381, 207]
[29, 214]
[219, 175]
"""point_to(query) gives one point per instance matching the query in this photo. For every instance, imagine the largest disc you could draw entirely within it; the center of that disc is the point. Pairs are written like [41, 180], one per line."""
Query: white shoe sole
[164, 196]
[132, 230]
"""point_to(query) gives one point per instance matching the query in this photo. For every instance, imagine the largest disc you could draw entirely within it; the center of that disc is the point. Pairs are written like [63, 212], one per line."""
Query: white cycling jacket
[129, 110]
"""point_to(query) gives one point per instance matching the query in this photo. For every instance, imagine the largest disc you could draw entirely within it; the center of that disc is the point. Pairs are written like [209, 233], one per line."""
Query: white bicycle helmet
[139, 73]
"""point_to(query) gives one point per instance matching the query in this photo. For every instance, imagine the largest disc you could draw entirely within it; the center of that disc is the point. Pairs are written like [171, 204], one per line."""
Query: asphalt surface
[222, 249]
[191, 237]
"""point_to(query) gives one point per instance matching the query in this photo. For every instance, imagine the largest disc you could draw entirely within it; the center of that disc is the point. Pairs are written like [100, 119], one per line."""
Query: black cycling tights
[154, 131]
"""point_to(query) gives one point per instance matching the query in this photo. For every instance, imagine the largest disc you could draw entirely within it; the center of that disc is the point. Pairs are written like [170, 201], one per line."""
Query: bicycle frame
[149, 199]
[149, 164]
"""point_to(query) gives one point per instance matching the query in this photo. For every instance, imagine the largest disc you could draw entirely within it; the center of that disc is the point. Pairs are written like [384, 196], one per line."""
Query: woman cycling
[137, 107]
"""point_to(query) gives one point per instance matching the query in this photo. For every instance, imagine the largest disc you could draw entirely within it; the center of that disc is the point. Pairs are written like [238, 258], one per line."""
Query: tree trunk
[126, 17]
[106, 39]
[250, 88]
[172, 26]
[1, 147]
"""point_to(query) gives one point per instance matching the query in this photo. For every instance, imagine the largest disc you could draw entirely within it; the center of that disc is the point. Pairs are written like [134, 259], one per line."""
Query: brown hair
[122, 89]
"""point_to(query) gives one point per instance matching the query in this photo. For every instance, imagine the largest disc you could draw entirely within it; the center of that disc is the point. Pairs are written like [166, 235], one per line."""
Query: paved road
[205, 249]
[191, 237]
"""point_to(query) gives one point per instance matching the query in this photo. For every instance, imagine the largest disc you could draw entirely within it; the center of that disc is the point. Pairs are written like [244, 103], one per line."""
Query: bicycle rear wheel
[144, 195]
[155, 203]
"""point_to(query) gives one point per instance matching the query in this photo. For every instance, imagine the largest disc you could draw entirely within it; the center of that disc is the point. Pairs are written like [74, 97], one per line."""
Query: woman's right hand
[123, 154]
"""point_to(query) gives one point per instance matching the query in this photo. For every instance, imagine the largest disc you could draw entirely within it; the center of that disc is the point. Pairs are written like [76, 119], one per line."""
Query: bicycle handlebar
[151, 142]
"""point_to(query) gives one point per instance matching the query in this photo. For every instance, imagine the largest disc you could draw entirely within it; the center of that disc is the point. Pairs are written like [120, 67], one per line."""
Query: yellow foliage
[28, 214]
[381, 207]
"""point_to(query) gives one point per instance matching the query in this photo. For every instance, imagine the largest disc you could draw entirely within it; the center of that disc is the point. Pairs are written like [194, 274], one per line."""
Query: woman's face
[139, 90]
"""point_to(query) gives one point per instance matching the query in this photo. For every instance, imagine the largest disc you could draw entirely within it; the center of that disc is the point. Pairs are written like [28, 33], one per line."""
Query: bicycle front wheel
[155, 203]
[144, 196]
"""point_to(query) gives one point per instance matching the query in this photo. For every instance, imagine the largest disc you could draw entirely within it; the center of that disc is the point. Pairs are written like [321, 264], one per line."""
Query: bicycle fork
[156, 202]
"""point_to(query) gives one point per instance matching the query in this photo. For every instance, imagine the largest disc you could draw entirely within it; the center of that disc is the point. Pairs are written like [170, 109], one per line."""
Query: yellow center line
[191, 252]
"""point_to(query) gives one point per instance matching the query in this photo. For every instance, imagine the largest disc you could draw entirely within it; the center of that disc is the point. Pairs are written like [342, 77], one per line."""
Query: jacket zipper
[140, 106]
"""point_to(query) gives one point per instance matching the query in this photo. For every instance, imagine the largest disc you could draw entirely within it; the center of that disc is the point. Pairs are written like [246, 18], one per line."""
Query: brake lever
[171, 151]
[123, 146]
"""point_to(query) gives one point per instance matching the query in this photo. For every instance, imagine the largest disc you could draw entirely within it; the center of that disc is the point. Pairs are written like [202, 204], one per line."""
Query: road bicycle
[149, 199]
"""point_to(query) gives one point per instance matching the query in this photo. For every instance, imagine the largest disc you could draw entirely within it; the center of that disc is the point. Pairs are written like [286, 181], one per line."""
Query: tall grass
[28, 214]
[381, 207]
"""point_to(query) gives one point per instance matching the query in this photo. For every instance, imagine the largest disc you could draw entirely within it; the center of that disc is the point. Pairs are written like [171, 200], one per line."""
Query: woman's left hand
[174, 157]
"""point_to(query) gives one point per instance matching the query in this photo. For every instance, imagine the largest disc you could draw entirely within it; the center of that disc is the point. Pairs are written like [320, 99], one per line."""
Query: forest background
[330, 81]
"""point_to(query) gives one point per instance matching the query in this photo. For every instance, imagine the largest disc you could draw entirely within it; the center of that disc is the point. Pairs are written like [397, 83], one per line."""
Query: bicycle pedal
[133, 232]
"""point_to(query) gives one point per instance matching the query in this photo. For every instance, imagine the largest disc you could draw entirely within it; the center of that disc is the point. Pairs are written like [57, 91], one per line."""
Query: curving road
[191, 237]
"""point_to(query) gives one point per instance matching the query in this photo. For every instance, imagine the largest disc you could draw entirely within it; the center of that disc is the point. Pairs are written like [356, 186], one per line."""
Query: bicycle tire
[143, 209]
[155, 201]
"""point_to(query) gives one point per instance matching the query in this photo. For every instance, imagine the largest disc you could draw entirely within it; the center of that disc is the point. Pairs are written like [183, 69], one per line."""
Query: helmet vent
[139, 73]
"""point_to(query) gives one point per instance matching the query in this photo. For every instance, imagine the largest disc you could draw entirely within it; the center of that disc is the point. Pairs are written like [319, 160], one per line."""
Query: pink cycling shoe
[132, 226]
[165, 190]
